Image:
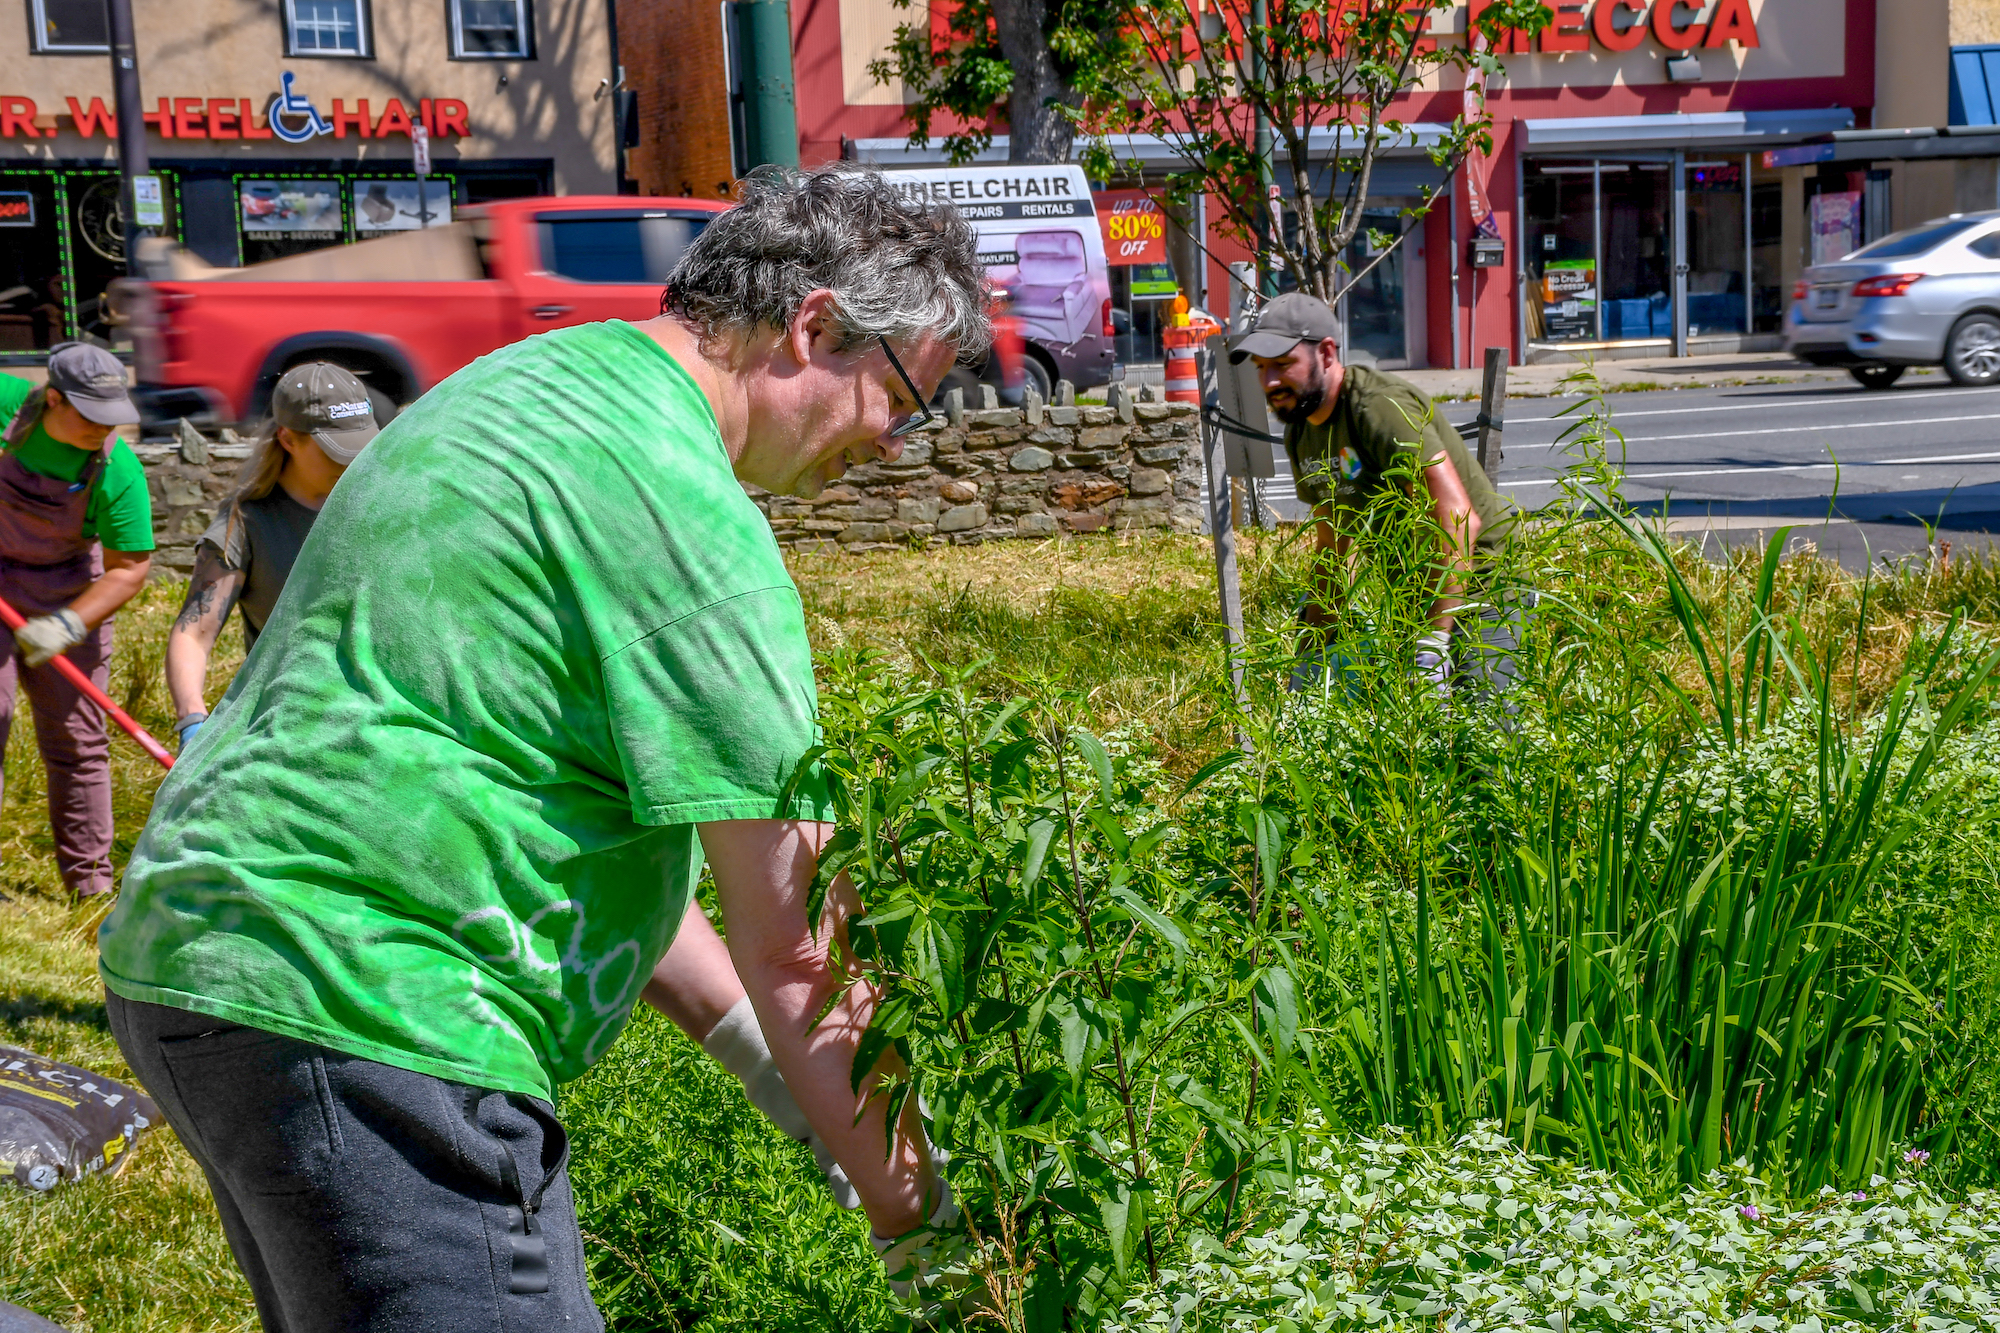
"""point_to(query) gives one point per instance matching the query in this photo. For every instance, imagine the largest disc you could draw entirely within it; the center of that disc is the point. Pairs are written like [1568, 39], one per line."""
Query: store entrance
[1600, 236]
[62, 243]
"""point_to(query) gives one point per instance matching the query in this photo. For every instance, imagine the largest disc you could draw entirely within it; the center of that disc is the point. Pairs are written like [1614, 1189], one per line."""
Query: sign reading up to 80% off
[1135, 230]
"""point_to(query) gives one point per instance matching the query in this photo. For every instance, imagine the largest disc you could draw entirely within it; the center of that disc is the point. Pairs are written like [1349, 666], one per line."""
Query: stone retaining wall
[991, 472]
[977, 475]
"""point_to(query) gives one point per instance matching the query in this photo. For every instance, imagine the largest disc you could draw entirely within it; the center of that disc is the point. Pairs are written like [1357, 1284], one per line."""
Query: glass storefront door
[1374, 305]
[1599, 238]
[1718, 251]
[1638, 249]
[1561, 239]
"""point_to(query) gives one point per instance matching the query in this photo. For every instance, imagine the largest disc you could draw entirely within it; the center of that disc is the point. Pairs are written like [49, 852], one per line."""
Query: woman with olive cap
[76, 541]
[320, 421]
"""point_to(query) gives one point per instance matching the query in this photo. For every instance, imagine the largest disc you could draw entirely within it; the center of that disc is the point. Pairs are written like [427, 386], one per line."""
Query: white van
[1039, 239]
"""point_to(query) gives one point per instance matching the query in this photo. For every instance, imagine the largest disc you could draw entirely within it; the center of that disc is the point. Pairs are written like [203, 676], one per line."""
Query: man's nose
[890, 447]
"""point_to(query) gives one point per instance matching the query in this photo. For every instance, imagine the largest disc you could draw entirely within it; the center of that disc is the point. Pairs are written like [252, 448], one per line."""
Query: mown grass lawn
[701, 1216]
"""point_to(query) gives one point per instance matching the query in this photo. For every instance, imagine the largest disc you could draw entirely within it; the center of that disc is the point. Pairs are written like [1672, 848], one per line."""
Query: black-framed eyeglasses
[923, 415]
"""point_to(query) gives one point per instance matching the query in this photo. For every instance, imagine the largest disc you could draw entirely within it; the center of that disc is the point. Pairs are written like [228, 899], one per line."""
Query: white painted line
[1829, 399]
[1785, 467]
[1792, 430]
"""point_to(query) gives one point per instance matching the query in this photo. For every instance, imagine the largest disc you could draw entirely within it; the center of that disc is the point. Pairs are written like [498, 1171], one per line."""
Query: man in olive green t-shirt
[76, 541]
[538, 658]
[1352, 434]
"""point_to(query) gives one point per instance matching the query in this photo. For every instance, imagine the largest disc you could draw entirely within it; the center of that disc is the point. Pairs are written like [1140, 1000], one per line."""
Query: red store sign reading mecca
[1621, 25]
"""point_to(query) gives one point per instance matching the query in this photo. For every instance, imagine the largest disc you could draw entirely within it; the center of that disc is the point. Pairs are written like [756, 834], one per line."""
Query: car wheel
[1972, 350]
[1875, 377]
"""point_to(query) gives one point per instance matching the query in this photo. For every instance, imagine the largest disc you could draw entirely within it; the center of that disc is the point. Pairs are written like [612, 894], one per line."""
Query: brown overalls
[45, 562]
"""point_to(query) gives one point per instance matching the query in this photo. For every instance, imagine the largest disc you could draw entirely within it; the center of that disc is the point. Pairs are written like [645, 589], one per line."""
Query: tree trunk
[1037, 132]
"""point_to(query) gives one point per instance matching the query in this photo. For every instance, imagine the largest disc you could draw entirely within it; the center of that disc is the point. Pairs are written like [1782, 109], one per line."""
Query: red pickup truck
[402, 312]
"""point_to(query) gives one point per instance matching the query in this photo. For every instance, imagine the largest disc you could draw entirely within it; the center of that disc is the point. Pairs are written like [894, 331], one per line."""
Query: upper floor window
[70, 25]
[326, 28]
[492, 30]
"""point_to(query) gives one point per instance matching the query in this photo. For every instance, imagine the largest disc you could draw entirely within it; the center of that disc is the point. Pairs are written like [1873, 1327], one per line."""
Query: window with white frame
[326, 28]
[492, 30]
[69, 25]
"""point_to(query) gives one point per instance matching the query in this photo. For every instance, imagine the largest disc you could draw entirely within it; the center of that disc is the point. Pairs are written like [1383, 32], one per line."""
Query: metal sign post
[1229, 587]
[420, 159]
[131, 129]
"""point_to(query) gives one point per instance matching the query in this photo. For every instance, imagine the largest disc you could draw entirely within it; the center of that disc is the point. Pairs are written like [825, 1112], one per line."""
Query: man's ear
[813, 321]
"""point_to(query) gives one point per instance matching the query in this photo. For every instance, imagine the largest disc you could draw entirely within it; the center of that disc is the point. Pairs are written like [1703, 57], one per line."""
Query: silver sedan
[1923, 297]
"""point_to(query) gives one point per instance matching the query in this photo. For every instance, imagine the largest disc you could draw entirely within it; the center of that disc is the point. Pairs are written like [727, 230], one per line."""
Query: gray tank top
[263, 542]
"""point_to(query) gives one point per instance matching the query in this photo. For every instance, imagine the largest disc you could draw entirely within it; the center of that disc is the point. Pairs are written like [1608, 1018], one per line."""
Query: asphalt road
[1858, 473]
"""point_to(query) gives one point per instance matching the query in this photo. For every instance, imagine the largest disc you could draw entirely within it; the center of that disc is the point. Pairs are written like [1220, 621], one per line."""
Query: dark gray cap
[94, 382]
[1283, 324]
[327, 403]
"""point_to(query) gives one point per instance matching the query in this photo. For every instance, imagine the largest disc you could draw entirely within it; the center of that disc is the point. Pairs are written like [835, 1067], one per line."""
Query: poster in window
[304, 209]
[1836, 225]
[386, 206]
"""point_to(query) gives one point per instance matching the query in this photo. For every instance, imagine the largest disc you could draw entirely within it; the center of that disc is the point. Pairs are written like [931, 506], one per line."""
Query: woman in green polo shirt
[76, 541]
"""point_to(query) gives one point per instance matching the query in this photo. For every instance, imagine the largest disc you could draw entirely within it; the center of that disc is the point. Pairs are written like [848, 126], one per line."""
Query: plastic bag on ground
[58, 1122]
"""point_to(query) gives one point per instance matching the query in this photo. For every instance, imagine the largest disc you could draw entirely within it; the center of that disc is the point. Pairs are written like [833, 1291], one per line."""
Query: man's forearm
[187, 671]
[696, 983]
[763, 870]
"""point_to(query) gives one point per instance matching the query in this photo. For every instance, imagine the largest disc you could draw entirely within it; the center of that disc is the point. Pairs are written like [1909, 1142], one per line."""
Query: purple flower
[1859, 1196]
[1750, 1213]
[1917, 1156]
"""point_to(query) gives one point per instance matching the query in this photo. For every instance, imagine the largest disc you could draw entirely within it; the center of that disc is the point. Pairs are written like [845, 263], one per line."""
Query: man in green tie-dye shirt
[539, 657]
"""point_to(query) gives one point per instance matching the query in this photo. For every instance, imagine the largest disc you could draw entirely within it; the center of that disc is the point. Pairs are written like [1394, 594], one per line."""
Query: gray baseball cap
[1285, 323]
[94, 382]
[327, 403]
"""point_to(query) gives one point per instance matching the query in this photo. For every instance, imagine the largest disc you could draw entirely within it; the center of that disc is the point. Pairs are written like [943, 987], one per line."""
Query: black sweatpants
[361, 1197]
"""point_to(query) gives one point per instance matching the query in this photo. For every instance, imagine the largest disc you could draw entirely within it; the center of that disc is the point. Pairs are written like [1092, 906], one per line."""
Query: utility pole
[766, 29]
[1266, 178]
[139, 192]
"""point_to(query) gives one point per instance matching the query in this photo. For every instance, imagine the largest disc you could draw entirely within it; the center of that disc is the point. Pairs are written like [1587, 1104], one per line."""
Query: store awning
[1708, 129]
[1922, 143]
[1147, 149]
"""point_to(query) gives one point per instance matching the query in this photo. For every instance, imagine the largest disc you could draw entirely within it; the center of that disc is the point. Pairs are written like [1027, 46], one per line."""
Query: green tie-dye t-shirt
[444, 817]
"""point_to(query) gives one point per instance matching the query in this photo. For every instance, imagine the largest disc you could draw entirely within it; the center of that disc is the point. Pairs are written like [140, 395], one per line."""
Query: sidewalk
[1658, 372]
[1661, 372]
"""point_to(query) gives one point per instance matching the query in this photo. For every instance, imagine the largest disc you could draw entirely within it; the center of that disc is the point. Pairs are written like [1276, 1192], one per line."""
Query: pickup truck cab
[402, 312]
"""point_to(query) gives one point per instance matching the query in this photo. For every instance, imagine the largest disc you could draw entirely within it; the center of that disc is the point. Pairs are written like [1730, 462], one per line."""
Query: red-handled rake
[14, 620]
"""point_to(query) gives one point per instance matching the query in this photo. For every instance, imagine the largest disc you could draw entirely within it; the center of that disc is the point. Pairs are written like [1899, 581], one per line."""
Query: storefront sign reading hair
[287, 115]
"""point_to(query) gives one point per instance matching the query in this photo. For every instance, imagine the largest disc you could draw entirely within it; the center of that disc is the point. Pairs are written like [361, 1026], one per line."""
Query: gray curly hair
[897, 266]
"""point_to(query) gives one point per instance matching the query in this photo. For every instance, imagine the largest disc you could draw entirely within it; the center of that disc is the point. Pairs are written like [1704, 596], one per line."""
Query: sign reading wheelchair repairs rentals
[989, 194]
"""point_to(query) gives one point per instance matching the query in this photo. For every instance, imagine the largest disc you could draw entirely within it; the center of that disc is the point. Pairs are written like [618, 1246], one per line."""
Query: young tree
[1280, 110]
[1035, 59]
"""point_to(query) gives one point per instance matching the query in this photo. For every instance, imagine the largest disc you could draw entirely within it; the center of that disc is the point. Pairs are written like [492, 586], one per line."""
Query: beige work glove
[737, 1044]
[929, 1268]
[45, 637]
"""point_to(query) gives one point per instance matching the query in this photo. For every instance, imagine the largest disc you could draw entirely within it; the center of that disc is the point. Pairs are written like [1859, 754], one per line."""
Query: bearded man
[1356, 436]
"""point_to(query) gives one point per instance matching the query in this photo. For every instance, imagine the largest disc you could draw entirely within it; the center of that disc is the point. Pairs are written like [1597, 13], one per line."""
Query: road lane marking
[1829, 399]
[1786, 430]
[1783, 467]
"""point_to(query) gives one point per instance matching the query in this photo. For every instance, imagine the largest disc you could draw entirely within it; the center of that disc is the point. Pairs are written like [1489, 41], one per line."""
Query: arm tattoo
[207, 594]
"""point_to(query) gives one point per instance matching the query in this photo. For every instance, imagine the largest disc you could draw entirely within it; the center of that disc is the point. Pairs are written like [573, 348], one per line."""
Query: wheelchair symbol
[289, 103]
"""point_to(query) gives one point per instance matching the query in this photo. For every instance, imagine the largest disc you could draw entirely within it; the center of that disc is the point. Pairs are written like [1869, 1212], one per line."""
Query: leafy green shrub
[1382, 1233]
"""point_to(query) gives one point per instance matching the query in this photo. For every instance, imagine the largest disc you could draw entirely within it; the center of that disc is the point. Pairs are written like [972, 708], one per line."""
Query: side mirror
[1121, 321]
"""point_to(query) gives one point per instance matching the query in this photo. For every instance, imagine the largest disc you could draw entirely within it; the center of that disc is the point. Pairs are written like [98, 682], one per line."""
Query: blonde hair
[257, 478]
